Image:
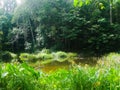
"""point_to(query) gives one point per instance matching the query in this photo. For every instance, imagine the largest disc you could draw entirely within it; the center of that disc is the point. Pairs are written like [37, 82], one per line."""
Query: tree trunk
[111, 21]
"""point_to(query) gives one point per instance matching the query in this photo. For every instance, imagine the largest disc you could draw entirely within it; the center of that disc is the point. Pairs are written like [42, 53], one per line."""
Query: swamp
[59, 44]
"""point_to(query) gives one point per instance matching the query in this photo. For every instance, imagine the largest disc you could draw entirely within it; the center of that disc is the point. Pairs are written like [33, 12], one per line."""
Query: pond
[55, 65]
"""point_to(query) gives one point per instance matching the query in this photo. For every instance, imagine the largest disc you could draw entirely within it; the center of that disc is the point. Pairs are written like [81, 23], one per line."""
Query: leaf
[81, 3]
[75, 3]
[87, 2]
[4, 74]
[102, 7]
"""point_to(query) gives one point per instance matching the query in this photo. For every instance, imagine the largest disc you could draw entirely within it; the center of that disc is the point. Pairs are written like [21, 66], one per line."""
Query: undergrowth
[104, 76]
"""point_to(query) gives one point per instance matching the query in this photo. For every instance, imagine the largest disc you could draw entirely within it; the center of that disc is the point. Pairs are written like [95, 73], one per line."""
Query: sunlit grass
[105, 75]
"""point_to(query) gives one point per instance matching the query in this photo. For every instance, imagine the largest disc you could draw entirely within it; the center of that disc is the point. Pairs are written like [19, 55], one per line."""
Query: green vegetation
[89, 25]
[8, 57]
[46, 56]
[104, 76]
[75, 35]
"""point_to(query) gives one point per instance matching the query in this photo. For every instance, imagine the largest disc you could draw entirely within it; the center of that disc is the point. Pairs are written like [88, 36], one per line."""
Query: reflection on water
[53, 66]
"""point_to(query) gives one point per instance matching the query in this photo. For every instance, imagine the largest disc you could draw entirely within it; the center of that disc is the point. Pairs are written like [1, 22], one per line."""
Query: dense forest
[59, 24]
[79, 37]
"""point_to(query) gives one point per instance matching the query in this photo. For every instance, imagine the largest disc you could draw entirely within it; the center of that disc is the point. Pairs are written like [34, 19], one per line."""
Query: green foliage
[47, 51]
[105, 75]
[88, 28]
[46, 55]
[14, 56]
[27, 57]
[112, 58]
[6, 56]
[80, 3]
[58, 24]
[61, 54]
[1, 33]
[18, 77]
[72, 55]
[24, 56]
[5, 26]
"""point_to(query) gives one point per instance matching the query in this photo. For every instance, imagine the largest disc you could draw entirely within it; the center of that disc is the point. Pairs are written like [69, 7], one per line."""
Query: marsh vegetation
[59, 44]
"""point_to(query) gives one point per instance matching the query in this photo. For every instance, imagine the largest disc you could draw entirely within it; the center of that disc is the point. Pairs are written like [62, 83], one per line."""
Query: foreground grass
[104, 76]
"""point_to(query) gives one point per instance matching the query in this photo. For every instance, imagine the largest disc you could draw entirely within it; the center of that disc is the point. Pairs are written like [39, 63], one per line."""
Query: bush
[24, 56]
[72, 56]
[18, 77]
[27, 57]
[44, 56]
[14, 57]
[6, 56]
[47, 51]
[23, 77]
[61, 55]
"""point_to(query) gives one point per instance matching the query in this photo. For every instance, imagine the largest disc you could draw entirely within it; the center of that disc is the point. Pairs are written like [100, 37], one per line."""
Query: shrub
[61, 55]
[6, 56]
[27, 57]
[72, 55]
[24, 56]
[18, 77]
[47, 55]
[47, 51]
[24, 77]
[44, 56]
[14, 57]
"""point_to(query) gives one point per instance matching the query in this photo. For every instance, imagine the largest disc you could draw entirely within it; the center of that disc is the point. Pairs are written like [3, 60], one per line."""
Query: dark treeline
[59, 24]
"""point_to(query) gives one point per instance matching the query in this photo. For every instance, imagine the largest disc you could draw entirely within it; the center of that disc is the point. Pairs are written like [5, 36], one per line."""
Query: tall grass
[18, 77]
[103, 76]
[46, 55]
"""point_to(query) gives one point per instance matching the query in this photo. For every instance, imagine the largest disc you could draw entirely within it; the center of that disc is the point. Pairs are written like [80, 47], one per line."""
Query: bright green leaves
[80, 3]
[76, 2]
[104, 75]
[101, 5]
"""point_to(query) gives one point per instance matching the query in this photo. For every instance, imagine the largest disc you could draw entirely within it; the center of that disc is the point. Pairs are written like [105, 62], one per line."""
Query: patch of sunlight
[19, 2]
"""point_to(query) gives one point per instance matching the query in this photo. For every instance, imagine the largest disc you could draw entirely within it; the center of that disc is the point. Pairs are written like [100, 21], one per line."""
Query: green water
[54, 66]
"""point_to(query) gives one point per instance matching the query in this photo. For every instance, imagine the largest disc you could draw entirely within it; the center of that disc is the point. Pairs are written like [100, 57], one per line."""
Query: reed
[103, 76]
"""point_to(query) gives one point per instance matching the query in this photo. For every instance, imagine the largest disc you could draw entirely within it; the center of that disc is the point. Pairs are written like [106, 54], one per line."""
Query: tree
[38, 19]
[112, 3]
[58, 24]
[1, 33]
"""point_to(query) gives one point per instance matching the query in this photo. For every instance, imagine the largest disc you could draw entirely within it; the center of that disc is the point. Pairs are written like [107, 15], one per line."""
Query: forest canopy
[78, 25]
